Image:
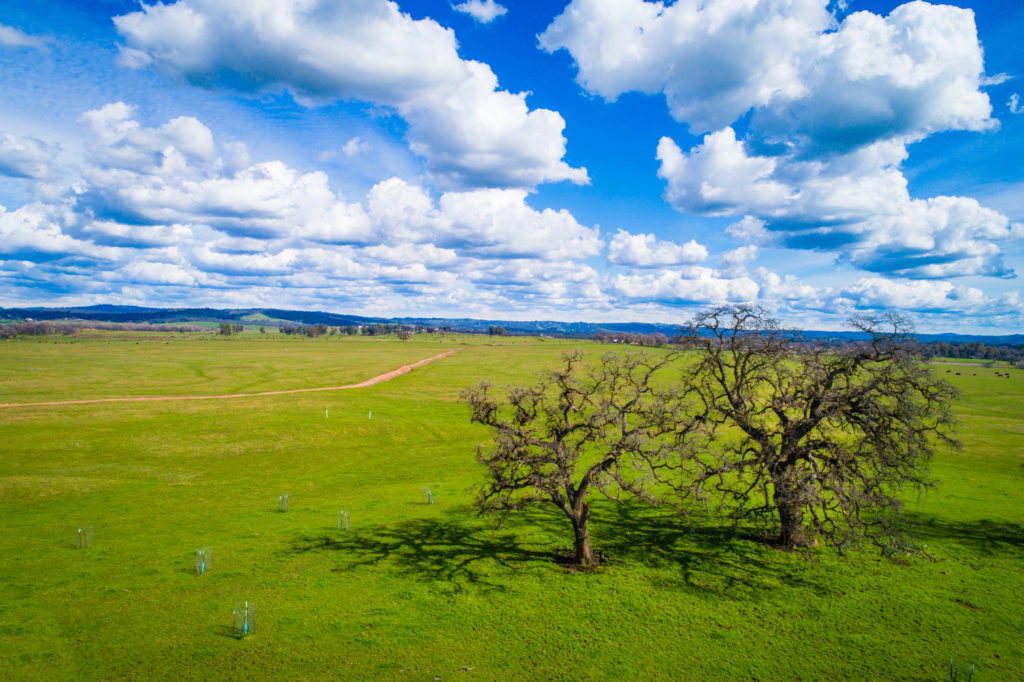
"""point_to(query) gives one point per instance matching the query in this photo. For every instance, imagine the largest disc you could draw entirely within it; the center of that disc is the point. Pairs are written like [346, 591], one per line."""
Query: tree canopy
[817, 441]
[820, 439]
[599, 426]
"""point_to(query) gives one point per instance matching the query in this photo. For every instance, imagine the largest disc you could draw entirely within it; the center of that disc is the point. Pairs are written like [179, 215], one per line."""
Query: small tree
[823, 438]
[583, 427]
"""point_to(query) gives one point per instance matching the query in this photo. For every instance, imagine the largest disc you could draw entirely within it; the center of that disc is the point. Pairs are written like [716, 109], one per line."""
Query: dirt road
[387, 376]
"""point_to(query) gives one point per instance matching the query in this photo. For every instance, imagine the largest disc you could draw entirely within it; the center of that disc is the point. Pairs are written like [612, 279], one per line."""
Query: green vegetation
[112, 364]
[416, 590]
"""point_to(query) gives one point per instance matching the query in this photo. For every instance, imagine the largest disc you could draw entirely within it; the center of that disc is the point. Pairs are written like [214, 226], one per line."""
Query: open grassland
[114, 364]
[417, 590]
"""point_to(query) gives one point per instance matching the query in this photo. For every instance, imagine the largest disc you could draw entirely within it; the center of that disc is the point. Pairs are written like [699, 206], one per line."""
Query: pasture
[418, 591]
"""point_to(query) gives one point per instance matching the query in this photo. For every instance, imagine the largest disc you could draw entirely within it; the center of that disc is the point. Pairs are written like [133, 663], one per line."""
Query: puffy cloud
[1013, 104]
[531, 283]
[786, 290]
[282, 262]
[688, 51]
[165, 208]
[484, 11]
[121, 141]
[694, 285]
[935, 238]
[734, 262]
[335, 265]
[112, 233]
[478, 136]
[717, 177]
[417, 274]
[750, 229]
[832, 107]
[173, 175]
[24, 157]
[720, 176]
[488, 223]
[165, 215]
[154, 273]
[423, 254]
[265, 200]
[470, 132]
[905, 76]
[876, 292]
[403, 212]
[499, 223]
[809, 79]
[935, 305]
[646, 251]
[856, 204]
[364, 49]
[36, 232]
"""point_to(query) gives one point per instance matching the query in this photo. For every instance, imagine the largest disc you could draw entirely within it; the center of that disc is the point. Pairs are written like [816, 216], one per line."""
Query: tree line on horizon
[973, 350]
[11, 330]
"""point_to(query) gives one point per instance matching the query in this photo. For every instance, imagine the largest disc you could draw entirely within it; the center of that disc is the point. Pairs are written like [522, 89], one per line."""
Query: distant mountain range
[270, 317]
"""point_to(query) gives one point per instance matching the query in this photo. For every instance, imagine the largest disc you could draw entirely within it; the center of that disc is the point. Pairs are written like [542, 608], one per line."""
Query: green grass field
[417, 591]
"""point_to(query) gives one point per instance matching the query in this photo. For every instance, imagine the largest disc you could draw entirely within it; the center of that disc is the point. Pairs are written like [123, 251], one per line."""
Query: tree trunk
[791, 518]
[584, 552]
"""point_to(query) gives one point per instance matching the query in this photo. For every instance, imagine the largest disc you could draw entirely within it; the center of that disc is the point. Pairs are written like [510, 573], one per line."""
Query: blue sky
[599, 160]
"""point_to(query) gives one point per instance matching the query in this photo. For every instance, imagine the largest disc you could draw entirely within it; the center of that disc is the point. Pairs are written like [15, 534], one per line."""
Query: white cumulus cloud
[804, 74]
[693, 285]
[876, 292]
[485, 223]
[830, 108]
[164, 210]
[734, 262]
[37, 232]
[470, 132]
[712, 60]
[646, 251]
[905, 76]
[717, 177]
[173, 175]
[856, 204]
[25, 157]
[484, 11]
[499, 223]
[787, 290]
[153, 272]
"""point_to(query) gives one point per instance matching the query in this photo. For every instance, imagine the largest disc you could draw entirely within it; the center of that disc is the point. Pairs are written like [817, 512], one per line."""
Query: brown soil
[387, 376]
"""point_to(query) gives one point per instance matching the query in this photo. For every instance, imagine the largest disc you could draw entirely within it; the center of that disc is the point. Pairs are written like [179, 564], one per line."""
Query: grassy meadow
[421, 592]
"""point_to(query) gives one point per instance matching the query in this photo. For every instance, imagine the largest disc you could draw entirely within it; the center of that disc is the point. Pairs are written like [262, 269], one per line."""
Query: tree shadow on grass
[452, 551]
[704, 557]
[696, 557]
[985, 536]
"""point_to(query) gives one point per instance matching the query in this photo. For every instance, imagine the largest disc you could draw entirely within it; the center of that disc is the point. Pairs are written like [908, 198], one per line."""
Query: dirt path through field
[387, 376]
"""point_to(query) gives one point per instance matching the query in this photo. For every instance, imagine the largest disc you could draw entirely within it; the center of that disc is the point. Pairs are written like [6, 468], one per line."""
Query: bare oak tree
[818, 438]
[602, 426]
